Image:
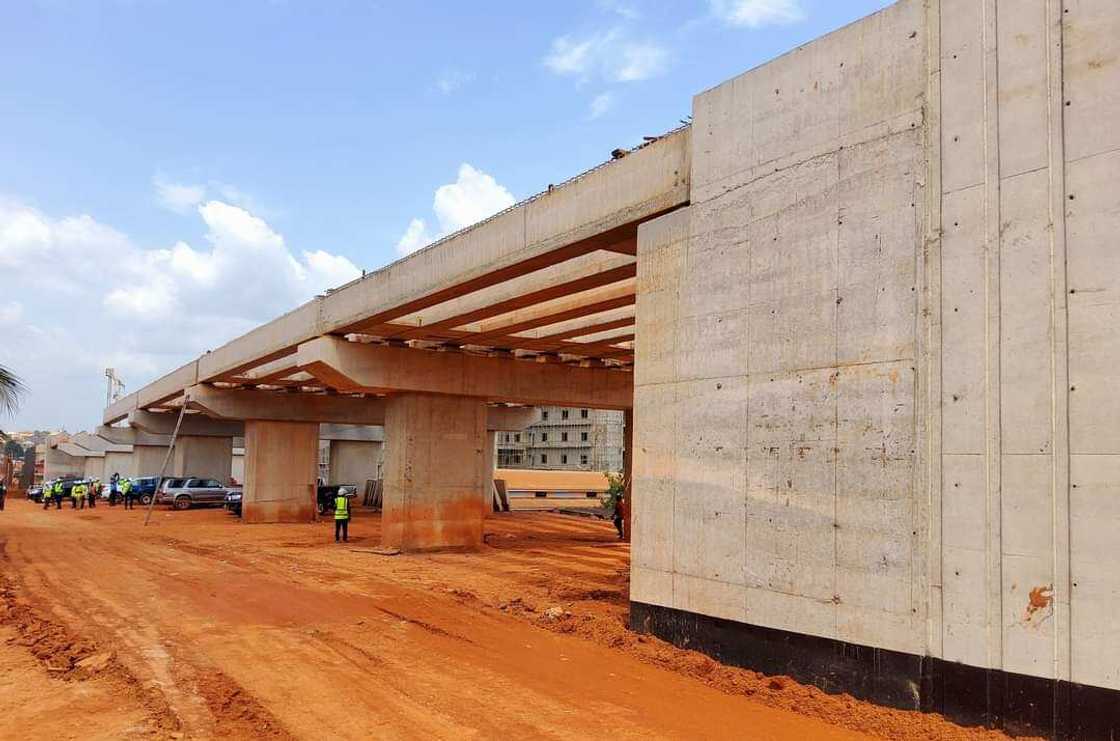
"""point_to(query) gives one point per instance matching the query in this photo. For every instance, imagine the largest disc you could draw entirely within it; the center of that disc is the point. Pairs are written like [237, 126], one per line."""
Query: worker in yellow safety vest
[126, 490]
[341, 516]
[56, 494]
[75, 495]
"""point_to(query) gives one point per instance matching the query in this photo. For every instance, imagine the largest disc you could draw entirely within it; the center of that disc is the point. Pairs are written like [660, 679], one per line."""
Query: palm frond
[11, 389]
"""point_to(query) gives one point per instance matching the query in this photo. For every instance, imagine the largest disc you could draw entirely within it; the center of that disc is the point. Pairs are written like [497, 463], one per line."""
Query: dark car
[325, 503]
[328, 493]
[233, 502]
[36, 493]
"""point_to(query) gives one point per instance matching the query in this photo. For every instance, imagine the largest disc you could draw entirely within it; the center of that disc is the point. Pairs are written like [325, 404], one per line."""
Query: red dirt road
[201, 627]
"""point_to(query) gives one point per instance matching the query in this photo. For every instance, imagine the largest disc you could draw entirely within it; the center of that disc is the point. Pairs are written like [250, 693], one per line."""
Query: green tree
[615, 489]
[13, 450]
[11, 390]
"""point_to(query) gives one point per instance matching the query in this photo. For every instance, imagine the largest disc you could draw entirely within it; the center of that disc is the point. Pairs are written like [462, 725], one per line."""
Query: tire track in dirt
[232, 711]
[76, 659]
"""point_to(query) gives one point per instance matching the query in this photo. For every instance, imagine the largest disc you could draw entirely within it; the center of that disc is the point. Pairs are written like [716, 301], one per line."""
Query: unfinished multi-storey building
[566, 439]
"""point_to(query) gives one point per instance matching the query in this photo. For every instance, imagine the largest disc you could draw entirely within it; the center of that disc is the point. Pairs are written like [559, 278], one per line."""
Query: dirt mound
[774, 691]
[237, 714]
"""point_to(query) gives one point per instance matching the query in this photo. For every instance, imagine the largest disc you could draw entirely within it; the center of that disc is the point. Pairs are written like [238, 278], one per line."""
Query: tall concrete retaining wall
[876, 427]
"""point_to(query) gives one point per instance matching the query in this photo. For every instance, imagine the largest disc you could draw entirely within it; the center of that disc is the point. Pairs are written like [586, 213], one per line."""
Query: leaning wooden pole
[166, 460]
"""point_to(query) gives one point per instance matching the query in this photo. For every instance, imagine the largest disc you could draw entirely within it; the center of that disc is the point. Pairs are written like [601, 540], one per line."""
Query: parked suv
[184, 493]
[143, 488]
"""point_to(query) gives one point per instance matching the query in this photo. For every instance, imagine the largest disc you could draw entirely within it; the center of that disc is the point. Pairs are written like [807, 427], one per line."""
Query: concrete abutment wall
[875, 396]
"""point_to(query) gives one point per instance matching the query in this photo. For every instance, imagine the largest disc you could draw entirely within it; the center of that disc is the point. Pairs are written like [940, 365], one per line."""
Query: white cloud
[82, 297]
[569, 57]
[11, 312]
[184, 198]
[473, 196]
[452, 79]
[178, 197]
[640, 62]
[414, 237]
[609, 55]
[627, 10]
[758, 13]
[600, 104]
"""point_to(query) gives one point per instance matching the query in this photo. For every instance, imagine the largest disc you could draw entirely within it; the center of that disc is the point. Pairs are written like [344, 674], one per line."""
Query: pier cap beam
[199, 425]
[340, 414]
[355, 367]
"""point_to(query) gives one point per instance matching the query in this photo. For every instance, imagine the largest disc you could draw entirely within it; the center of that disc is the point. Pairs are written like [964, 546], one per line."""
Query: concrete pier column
[203, 456]
[434, 472]
[147, 459]
[281, 471]
[353, 461]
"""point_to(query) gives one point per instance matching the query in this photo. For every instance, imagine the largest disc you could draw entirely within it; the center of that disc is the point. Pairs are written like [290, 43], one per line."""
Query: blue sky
[141, 136]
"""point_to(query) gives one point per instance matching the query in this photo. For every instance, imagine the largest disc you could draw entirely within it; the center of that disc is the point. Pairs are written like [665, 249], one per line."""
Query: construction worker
[93, 492]
[47, 490]
[76, 495]
[3, 495]
[341, 516]
[126, 490]
[620, 516]
[113, 485]
[56, 492]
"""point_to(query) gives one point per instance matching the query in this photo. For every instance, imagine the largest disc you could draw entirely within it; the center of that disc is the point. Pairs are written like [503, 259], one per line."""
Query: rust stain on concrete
[1040, 599]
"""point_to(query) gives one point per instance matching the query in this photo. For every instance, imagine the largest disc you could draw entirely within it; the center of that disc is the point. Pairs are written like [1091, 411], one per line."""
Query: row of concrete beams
[483, 287]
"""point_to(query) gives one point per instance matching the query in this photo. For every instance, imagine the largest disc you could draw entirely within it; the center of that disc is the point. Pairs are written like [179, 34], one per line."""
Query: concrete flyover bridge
[532, 307]
[866, 310]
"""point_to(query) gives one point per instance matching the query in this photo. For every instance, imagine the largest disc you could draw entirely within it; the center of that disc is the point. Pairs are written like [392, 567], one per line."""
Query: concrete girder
[271, 372]
[582, 308]
[549, 285]
[571, 330]
[584, 349]
[350, 366]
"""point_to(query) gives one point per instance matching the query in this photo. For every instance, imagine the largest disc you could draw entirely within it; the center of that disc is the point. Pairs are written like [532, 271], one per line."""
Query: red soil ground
[201, 627]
